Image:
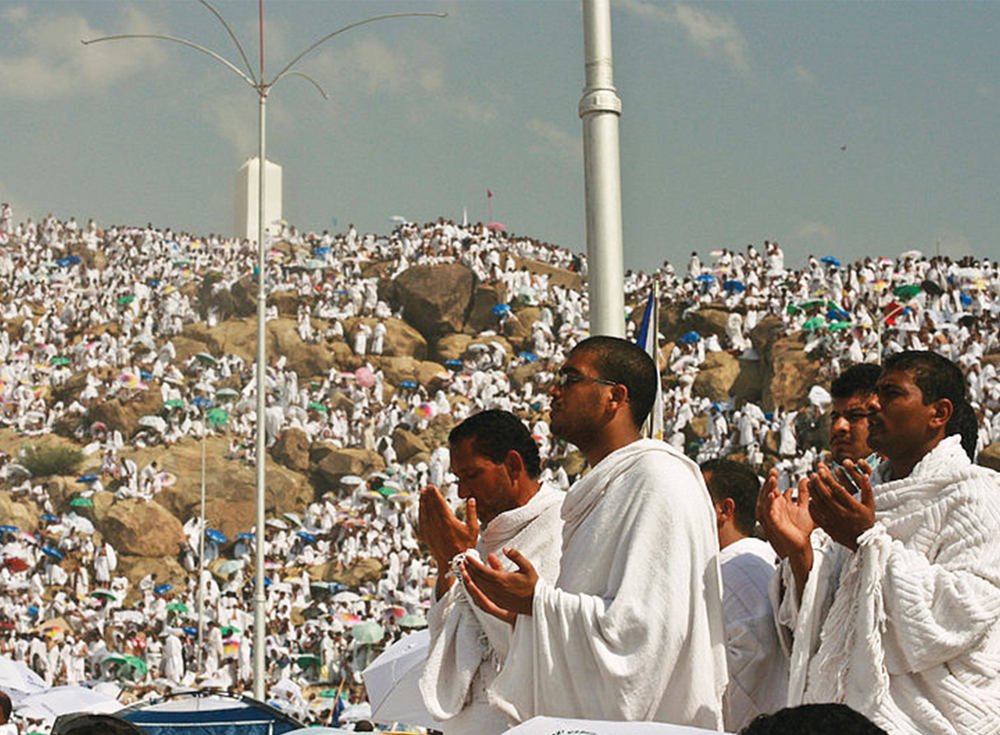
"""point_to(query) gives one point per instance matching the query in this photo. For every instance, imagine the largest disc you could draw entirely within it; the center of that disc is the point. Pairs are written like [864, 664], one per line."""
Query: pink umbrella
[496, 227]
[364, 377]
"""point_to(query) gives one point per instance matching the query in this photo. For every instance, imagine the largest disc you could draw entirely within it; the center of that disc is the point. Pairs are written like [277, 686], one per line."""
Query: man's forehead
[848, 403]
[895, 377]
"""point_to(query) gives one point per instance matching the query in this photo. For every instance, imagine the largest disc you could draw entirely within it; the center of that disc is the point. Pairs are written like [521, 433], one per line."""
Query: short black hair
[938, 377]
[494, 433]
[813, 719]
[860, 379]
[731, 479]
[5, 706]
[625, 362]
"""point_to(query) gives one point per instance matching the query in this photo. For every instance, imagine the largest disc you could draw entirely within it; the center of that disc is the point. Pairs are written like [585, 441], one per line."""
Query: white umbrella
[346, 596]
[392, 681]
[51, 703]
[17, 678]
[554, 725]
[153, 422]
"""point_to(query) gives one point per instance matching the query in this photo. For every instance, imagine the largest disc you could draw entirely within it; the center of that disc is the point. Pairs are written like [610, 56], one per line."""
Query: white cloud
[14, 13]
[815, 232]
[554, 140]
[715, 35]
[56, 64]
[803, 74]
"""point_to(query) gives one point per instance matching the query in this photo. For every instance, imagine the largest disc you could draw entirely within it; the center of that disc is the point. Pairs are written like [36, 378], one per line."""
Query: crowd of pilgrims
[65, 613]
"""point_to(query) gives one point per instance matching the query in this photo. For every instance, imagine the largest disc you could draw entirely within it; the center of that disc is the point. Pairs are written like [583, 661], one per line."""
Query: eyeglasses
[562, 379]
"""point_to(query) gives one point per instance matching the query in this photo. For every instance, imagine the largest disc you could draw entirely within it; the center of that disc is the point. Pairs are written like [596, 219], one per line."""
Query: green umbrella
[137, 665]
[178, 606]
[367, 632]
[217, 416]
[174, 403]
[307, 659]
[227, 631]
[413, 621]
[907, 292]
[816, 322]
[385, 492]
[329, 693]
[126, 299]
[206, 358]
[82, 503]
[226, 393]
[836, 326]
[60, 361]
[316, 406]
[103, 594]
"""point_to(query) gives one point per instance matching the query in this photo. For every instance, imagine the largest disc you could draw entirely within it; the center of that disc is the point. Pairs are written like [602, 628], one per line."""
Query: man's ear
[941, 412]
[727, 509]
[619, 395]
[514, 463]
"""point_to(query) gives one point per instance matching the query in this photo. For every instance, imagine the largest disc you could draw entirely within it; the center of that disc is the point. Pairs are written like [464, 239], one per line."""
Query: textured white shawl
[912, 638]
[467, 643]
[633, 627]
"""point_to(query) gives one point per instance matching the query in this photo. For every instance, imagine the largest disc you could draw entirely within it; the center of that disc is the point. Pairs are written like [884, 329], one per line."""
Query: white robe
[468, 643]
[758, 667]
[912, 637]
[633, 628]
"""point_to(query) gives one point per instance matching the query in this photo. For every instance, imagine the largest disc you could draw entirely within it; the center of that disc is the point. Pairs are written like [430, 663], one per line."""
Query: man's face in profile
[849, 427]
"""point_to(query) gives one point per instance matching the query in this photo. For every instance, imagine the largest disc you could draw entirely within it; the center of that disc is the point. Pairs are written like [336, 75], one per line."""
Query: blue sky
[735, 119]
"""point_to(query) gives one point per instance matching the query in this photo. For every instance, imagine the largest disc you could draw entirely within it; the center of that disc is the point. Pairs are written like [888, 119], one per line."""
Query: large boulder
[18, 514]
[707, 320]
[452, 346]
[142, 528]
[406, 444]
[481, 317]
[401, 339]
[230, 502]
[717, 376]
[435, 298]
[329, 464]
[750, 382]
[990, 457]
[124, 416]
[292, 450]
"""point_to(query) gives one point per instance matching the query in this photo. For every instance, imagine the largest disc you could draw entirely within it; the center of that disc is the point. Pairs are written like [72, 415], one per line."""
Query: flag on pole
[465, 217]
[647, 340]
[489, 194]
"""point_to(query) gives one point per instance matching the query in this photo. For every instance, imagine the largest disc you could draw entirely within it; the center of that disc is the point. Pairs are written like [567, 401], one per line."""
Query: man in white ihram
[632, 629]
[497, 464]
[910, 626]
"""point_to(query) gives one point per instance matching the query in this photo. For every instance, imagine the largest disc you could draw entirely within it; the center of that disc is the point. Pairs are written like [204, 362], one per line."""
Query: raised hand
[504, 595]
[833, 506]
[441, 530]
[786, 520]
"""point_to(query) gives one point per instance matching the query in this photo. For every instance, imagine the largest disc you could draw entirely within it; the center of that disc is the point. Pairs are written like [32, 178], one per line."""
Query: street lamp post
[262, 87]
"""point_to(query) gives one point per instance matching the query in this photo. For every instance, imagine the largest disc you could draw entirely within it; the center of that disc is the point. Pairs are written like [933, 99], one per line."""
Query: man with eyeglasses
[854, 398]
[632, 629]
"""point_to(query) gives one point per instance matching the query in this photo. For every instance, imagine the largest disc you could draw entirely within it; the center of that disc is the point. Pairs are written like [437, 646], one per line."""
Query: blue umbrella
[48, 517]
[323, 250]
[217, 536]
[528, 356]
[162, 588]
[340, 292]
[145, 375]
[706, 278]
[454, 364]
[501, 309]
[190, 630]
[32, 610]
[63, 262]
[52, 553]
[838, 315]
[690, 338]
[154, 282]
[202, 402]
[734, 286]
[306, 536]
[10, 529]
[830, 260]
[966, 300]
[407, 384]
[244, 536]
[87, 478]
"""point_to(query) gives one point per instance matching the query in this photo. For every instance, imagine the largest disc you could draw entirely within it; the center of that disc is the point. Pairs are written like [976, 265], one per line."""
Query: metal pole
[600, 109]
[259, 597]
[201, 553]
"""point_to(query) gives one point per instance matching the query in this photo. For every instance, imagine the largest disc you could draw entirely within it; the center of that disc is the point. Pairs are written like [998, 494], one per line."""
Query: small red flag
[489, 194]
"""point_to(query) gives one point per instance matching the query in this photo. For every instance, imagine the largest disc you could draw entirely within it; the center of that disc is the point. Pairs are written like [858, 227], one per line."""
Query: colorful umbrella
[217, 536]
